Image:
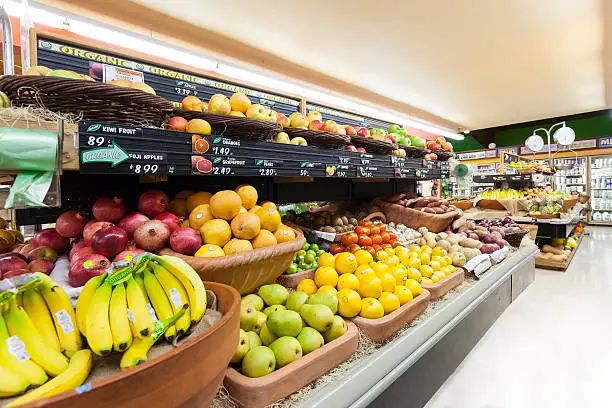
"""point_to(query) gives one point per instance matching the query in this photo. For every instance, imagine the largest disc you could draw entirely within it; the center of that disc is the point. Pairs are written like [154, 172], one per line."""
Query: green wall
[469, 143]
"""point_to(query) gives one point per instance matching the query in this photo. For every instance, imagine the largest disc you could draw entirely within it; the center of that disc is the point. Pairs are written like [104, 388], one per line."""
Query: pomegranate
[25, 250]
[41, 265]
[78, 245]
[49, 237]
[91, 228]
[128, 252]
[132, 221]
[91, 266]
[15, 272]
[82, 253]
[185, 241]
[152, 235]
[70, 224]
[46, 253]
[109, 241]
[171, 220]
[11, 261]
[109, 209]
[153, 202]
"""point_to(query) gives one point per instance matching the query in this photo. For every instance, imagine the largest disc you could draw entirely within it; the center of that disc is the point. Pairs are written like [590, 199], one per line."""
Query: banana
[97, 324]
[75, 375]
[160, 301]
[11, 383]
[17, 360]
[142, 324]
[119, 323]
[20, 325]
[137, 353]
[140, 281]
[84, 299]
[63, 314]
[191, 281]
[176, 294]
[36, 308]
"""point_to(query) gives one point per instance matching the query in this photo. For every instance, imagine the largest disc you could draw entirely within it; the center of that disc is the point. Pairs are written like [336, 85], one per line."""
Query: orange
[403, 293]
[371, 308]
[199, 216]
[349, 302]
[263, 239]
[209, 251]
[270, 218]
[216, 232]
[414, 287]
[268, 204]
[326, 275]
[363, 257]
[348, 281]
[389, 302]
[392, 260]
[237, 245]
[364, 270]
[307, 286]
[327, 288]
[284, 234]
[225, 204]
[388, 282]
[415, 274]
[254, 209]
[248, 195]
[245, 226]
[199, 198]
[426, 271]
[370, 286]
[346, 263]
[178, 207]
[424, 258]
[326, 259]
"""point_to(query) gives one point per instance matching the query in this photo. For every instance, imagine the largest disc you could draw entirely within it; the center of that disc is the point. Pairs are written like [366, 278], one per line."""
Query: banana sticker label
[17, 348]
[152, 312]
[175, 298]
[64, 321]
[119, 276]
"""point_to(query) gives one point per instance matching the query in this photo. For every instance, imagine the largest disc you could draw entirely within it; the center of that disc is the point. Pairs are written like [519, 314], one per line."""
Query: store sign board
[169, 83]
[604, 142]
[577, 145]
[509, 149]
[477, 154]
[346, 118]
[111, 72]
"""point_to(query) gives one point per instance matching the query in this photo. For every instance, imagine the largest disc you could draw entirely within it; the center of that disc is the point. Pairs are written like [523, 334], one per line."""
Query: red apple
[388, 140]
[315, 125]
[329, 126]
[350, 148]
[363, 132]
[41, 265]
[15, 272]
[177, 123]
[431, 156]
[350, 130]
[361, 150]
[440, 140]
[46, 253]
[389, 136]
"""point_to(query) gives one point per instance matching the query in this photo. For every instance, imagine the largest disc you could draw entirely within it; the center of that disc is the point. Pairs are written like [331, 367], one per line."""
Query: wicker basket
[89, 100]
[320, 138]
[415, 152]
[515, 238]
[246, 271]
[569, 204]
[234, 126]
[414, 218]
[491, 205]
[372, 145]
[443, 155]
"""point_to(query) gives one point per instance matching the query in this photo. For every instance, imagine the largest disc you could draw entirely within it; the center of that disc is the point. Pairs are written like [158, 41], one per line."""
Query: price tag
[267, 172]
[99, 141]
[144, 168]
[344, 160]
[304, 173]
[222, 151]
[152, 312]
[222, 171]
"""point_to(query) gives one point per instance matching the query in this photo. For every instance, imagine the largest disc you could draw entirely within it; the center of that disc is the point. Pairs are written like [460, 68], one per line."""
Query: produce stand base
[557, 266]
[441, 287]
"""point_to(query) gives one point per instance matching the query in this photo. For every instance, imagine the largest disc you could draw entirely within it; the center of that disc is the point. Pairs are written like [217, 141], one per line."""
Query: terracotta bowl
[291, 281]
[441, 287]
[188, 376]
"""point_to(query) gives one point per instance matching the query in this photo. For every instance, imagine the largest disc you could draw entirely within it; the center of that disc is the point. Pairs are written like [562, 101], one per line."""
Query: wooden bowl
[263, 391]
[569, 204]
[463, 205]
[291, 281]
[491, 205]
[187, 376]
[414, 218]
[386, 326]
[441, 287]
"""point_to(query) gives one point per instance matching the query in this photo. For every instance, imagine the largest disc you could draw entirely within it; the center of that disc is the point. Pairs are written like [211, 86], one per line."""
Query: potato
[459, 259]
[444, 244]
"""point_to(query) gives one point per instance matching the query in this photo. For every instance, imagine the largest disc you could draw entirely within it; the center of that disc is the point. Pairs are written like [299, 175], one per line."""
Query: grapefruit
[270, 218]
[209, 251]
[178, 207]
[263, 239]
[255, 209]
[204, 166]
[248, 195]
[216, 232]
[199, 216]
[246, 226]
[237, 245]
[284, 234]
[225, 204]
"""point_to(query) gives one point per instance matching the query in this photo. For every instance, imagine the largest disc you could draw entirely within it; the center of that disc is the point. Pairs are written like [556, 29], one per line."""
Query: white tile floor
[552, 347]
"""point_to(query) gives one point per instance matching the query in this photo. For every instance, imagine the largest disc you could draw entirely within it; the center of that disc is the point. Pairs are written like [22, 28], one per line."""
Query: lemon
[370, 286]
[390, 251]
[415, 274]
[447, 270]
[400, 274]
[348, 281]
[326, 275]
[364, 270]
[363, 257]
[414, 262]
[371, 308]
[438, 251]
[307, 286]
[389, 302]
[426, 271]
[349, 302]
[401, 252]
[435, 265]
[380, 268]
[414, 287]
[414, 248]
[388, 282]
[209, 251]
[424, 258]
[392, 260]
[434, 278]
[439, 274]
[403, 293]
[381, 255]
[427, 281]
[447, 260]
[425, 248]
[326, 259]
[346, 263]
[439, 259]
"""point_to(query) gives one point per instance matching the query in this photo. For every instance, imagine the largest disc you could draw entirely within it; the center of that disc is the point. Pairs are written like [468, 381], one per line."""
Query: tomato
[387, 245]
[377, 247]
[364, 223]
[392, 237]
[395, 243]
[353, 248]
[383, 228]
[361, 230]
[386, 237]
[336, 249]
[371, 250]
[365, 240]
[375, 230]
[376, 239]
[349, 239]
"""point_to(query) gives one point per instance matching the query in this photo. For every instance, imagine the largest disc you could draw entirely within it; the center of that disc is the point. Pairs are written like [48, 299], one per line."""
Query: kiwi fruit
[338, 228]
[354, 222]
[329, 229]
[337, 221]
[345, 220]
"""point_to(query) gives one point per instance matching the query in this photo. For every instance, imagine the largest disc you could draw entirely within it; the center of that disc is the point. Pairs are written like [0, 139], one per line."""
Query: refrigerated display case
[571, 175]
[600, 184]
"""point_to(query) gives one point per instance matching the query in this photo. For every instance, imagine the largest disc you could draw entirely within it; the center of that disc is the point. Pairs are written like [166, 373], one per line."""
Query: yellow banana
[176, 294]
[11, 383]
[36, 308]
[75, 375]
[191, 281]
[84, 299]
[20, 325]
[119, 323]
[18, 361]
[63, 314]
[142, 324]
[138, 277]
[160, 301]
[97, 324]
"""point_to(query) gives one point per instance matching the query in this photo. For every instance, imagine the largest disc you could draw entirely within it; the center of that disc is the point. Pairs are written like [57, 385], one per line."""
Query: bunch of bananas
[38, 335]
[163, 296]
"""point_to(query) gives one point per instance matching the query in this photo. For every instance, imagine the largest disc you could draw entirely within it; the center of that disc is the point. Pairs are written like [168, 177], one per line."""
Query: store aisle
[551, 347]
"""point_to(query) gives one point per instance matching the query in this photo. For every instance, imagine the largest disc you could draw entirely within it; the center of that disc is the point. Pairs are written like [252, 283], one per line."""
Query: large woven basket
[89, 100]
[246, 271]
[372, 145]
[414, 218]
[414, 152]
[320, 138]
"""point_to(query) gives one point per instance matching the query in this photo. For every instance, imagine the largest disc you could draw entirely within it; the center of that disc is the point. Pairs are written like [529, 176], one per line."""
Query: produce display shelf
[493, 178]
[367, 381]
[558, 266]
[600, 223]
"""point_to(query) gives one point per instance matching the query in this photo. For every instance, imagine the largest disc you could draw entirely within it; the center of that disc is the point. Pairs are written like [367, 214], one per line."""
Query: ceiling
[476, 63]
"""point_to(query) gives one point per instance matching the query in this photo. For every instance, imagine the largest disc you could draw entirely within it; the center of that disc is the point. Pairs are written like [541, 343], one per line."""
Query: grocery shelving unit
[600, 190]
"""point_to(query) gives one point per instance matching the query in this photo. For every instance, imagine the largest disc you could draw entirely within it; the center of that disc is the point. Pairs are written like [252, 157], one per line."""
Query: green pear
[310, 340]
[248, 317]
[274, 308]
[319, 317]
[259, 361]
[261, 320]
[325, 298]
[266, 336]
[254, 339]
[337, 329]
[296, 300]
[243, 347]
[285, 323]
[274, 294]
[253, 300]
[286, 350]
